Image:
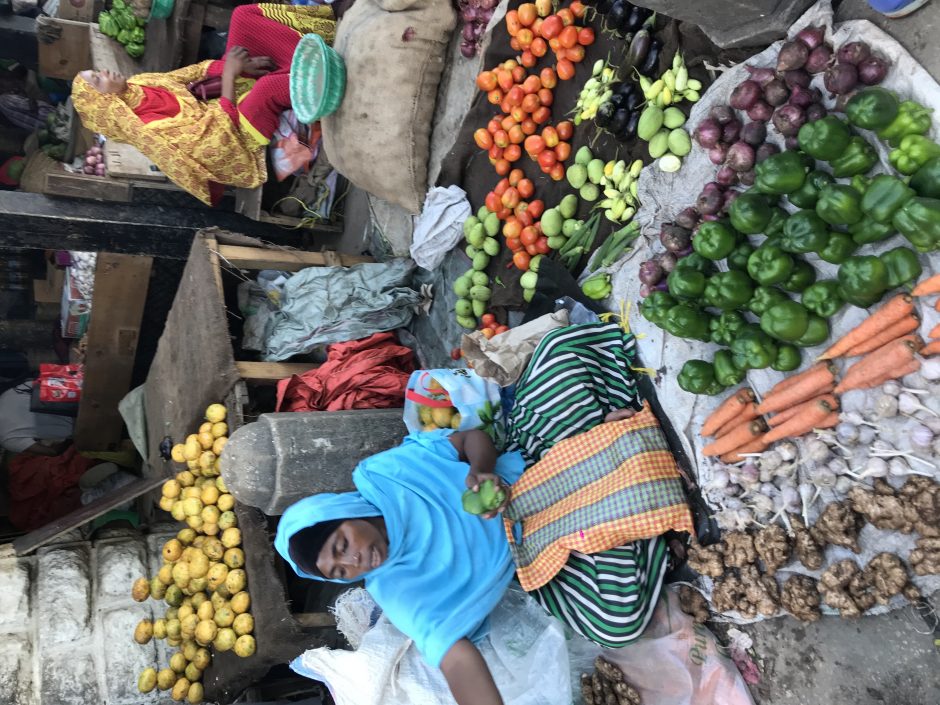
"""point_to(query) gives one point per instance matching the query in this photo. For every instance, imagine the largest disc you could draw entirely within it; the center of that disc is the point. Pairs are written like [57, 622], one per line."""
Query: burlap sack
[379, 138]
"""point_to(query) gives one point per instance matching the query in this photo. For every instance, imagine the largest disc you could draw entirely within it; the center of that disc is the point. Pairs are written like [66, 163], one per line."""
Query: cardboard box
[76, 310]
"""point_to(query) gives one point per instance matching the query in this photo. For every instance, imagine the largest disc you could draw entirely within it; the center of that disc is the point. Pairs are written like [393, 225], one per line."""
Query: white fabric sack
[440, 226]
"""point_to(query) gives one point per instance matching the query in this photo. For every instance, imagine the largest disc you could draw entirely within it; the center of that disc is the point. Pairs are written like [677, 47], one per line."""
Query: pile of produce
[54, 135]
[94, 162]
[202, 579]
[474, 17]
[607, 686]
[125, 23]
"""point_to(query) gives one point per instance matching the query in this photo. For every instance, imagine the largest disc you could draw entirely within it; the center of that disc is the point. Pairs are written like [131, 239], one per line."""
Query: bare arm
[468, 676]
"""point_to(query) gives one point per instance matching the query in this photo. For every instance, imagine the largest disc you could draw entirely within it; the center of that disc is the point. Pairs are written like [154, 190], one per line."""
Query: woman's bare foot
[619, 415]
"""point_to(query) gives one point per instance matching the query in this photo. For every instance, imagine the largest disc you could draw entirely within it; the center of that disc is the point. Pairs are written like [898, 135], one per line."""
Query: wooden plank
[193, 31]
[121, 283]
[213, 248]
[287, 260]
[270, 372]
[248, 202]
[98, 188]
[35, 539]
[125, 161]
[78, 10]
[315, 620]
[70, 53]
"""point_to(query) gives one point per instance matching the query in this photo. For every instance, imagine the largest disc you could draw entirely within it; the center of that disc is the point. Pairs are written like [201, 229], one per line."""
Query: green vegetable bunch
[486, 500]
[121, 24]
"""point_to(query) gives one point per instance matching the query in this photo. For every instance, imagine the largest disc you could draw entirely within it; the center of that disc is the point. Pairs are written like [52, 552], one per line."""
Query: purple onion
[708, 133]
[792, 142]
[709, 200]
[721, 114]
[744, 95]
[747, 177]
[812, 37]
[760, 76]
[731, 131]
[717, 153]
[645, 290]
[667, 260]
[803, 97]
[730, 197]
[684, 253]
[853, 53]
[776, 92]
[711, 218]
[816, 111]
[761, 111]
[467, 32]
[726, 176]
[663, 286]
[754, 133]
[673, 237]
[819, 59]
[797, 78]
[789, 119]
[469, 14]
[687, 218]
[468, 49]
[872, 71]
[650, 272]
[792, 56]
[841, 78]
[768, 149]
[740, 156]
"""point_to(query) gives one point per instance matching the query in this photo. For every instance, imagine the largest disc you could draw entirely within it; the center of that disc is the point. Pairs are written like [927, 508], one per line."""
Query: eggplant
[619, 121]
[634, 100]
[605, 114]
[652, 58]
[636, 18]
[629, 130]
[626, 88]
[618, 13]
[637, 52]
[618, 100]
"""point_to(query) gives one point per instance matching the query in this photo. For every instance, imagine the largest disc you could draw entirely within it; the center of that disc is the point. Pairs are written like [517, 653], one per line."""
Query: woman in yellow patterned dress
[204, 145]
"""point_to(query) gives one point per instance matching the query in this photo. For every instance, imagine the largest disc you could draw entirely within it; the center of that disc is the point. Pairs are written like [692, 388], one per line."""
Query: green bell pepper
[764, 297]
[768, 265]
[817, 331]
[737, 260]
[728, 290]
[785, 321]
[753, 349]
[724, 328]
[860, 183]
[912, 119]
[858, 158]
[903, 266]
[824, 139]
[885, 196]
[686, 321]
[778, 219]
[108, 25]
[726, 373]
[926, 181]
[714, 240]
[780, 173]
[839, 205]
[804, 232]
[698, 377]
[802, 275]
[919, 221]
[788, 358]
[655, 307]
[867, 231]
[863, 280]
[872, 108]
[123, 37]
[686, 283]
[750, 213]
[807, 195]
[695, 261]
[839, 248]
[135, 50]
[824, 298]
[913, 153]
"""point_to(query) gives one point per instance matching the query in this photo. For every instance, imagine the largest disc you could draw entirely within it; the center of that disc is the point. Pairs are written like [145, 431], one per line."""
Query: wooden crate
[70, 53]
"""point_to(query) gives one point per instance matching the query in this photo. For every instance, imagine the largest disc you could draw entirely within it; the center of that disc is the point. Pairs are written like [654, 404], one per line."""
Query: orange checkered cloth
[601, 489]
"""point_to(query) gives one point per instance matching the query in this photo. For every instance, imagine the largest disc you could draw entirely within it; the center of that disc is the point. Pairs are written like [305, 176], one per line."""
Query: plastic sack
[525, 652]
[440, 226]
[674, 662]
[477, 400]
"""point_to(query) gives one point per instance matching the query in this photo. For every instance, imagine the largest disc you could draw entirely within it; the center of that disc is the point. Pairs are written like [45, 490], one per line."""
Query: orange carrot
[737, 455]
[743, 434]
[800, 423]
[748, 414]
[788, 414]
[811, 385]
[897, 308]
[902, 327]
[727, 410]
[930, 349]
[928, 286]
[793, 379]
[935, 333]
[937, 305]
[872, 369]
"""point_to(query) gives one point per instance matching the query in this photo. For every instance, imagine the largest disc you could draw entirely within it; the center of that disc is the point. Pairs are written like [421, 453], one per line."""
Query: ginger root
[844, 587]
[807, 550]
[773, 547]
[707, 560]
[925, 558]
[691, 602]
[739, 549]
[800, 598]
[761, 591]
[888, 577]
[728, 595]
[923, 496]
[883, 509]
[838, 525]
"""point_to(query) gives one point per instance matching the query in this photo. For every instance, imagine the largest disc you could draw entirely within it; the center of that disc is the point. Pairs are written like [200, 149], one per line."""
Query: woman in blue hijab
[437, 571]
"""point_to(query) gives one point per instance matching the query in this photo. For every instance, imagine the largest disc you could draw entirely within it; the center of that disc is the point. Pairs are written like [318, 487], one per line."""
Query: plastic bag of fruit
[458, 399]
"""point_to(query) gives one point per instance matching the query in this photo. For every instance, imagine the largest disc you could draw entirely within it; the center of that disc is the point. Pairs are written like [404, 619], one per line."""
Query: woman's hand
[475, 479]
[259, 66]
[236, 60]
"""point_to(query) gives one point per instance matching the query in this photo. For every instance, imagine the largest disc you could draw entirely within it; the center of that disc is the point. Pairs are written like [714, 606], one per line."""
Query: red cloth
[157, 104]
[43, 488]
[361, 374]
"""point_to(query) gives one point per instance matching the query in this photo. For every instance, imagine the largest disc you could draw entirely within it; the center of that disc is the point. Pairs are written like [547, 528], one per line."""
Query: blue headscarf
[446, 569]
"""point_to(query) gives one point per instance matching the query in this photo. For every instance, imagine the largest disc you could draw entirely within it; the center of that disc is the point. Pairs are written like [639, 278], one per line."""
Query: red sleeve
[215, 68]
[230, 109]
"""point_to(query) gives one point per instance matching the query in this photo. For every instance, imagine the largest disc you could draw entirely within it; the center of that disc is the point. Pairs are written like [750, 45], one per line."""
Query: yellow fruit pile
[202, 579]
[435, 417]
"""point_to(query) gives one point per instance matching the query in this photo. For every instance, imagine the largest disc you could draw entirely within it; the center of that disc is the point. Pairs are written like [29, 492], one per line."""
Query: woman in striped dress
[437, 571]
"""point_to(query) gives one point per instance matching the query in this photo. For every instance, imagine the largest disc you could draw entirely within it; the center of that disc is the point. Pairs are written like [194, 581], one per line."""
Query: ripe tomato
[513, 244]
[548, 78]
[536, 208]
[501, 329]
[486, 81]
[521, 260]
[526, 188]
[518, 115]
[565, 130]
[555, 45]
[551, 26]
[543, 7]
[539, 47]
[549, 136]
[514, 44]
[547, 159]
[501, 187]
[534, 145]
[512, 153]
[562, 150]
[483, 139]
[492, 202]
[515, 176]
[501, 139]
[506, 123]
[577, 8]
[488, 319]
[509, 64]
[528, 126]
[496, 152]
[568, 36]
[546, 97]
[456, 353]
[529, 236]
[504, 79]
[542, 245]
[557, 172]
[502, 167]
[542, 115]
[495, 96]
[493, 124]
[516, 135]
[531, 103]
[565, 70]
[566, 16]
[586, 36]
[525, 38]
[575, 54]
[515, 95]
[529, 59]
[505, 106]
[522, 214]
[532, 250]
[512, 229]
[532, 84]
[513, 25]
[488, 332]
[537, 26]
[510, 198]
[518, 74]
[527, 13]
[503, 213]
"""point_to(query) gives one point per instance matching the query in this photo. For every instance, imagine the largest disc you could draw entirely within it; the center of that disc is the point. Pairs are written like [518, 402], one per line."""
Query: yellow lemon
[210, 494]
[210, 514]
[192, 449]
[219, 445]
[178, 454]
[243, 624]
[442, 417]
[159, 628]
[245, 645]
[178, 662]
[147, 680]
[215, 413]
[206, 611]
[202, 659]
[172, 550]
[225, 502]
[144, 631]
[231, 537]
[220, 429]
[195, 694]
[165, 574]
[166, 678]
[214, 549]
[225, 639]
[234, 558]
[241, 602]
[220, 483]
[192, 506]
[185, 478]
[206, 440]
[180, 689]
[194, 522]
[166, 504]
[177, 511]
[206, 427]
[186, 536]
[235, 581]
[192, 674]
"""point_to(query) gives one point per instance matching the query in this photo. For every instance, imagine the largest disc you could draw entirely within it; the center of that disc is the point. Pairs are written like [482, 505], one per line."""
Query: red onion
[100, 170]
[685, 253]
[710, 218]
[709, 200]
[731, 131]
[804, 97]
[797, 78]
[687, 218]
[754, 133]
[792, 56]
[789, 119]
[468, 49]
[816, 111]
[721, 114]
[667, 260]
[776, 92]
[88, 169]
[747, 177]
[467, 33]
[673, 237]
[872, 71]
[469, 15]
[740, 156]
[707, 133]
[717, 154]
[744, 95]
[663, 286]
[91, 160]
[853, 53]
[478, 29]
[645, 290]
[841, 78]
[650, 272]
[729, 198]
[760, 111]
[487, 4]
[812, 37]
[768, 149]
[760, 76]
[726, 176]
[792, 142]
[819, 59]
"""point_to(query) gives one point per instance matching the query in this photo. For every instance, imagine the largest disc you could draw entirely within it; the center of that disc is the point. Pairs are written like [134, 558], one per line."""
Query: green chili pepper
[714, 240]
[839, 248]
[824, 298]
[724, 328]
[807, 195]
[824, 139]
[804, 232]
[698, 377]
[872, 108]
[926, 181]
[788, 358]
[839, 205]
[919, 221]
[785, 321]
[769, 265]
[885, 196]
[903, 266]
[728, 290]
[655, 307]
[764, 297]
[750, 213]
[802, 275]
[912, 119]
[863, 280]
[858, 158]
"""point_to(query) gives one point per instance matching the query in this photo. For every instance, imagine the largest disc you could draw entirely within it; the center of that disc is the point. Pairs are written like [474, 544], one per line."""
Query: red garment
[361, 374]
[157, 104]
[43, 488]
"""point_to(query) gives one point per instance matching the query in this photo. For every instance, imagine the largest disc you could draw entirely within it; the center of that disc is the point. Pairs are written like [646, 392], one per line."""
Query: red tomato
[548, 78]
[529, 59]
[501, 329]
[514, 43]
[531, 103]
[565, 130]
[456, 353]
[542, 115]
[496, 152]
[527, 13]
[486, 81]
[568, 36]
[518, 74]
[523, 215]
[495, 96]
[509, 64]
[577, 8]
[532, 84]
[483, 139]
[546, 97]
[539, 47]
[515, 176]
[537, 26]
[586, 36]
[549, 136]
[501, 187]
[516, 135]
[521, 260]
[512, 153]
[551, 26]
[525, 38]
[488, 319]
[501, 139]
[488, 332]
[532, 250]
[555, 45]
[528, 126]
[557, 172]
[510, 199]
[513, 244]
[566, 16]
[515, 95]
[543, 7]
[562, 150]
[529, 236]
[547, 159]
[503, 213]
[565, 70]
[534, 145]
[512, 228]
[504, 79]
[542, 245]
[526, 188]
[493, 125]
[575, 54]
[536, 208]
[492, 202]
[506, 124]
[513, 25]
[502, 167]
